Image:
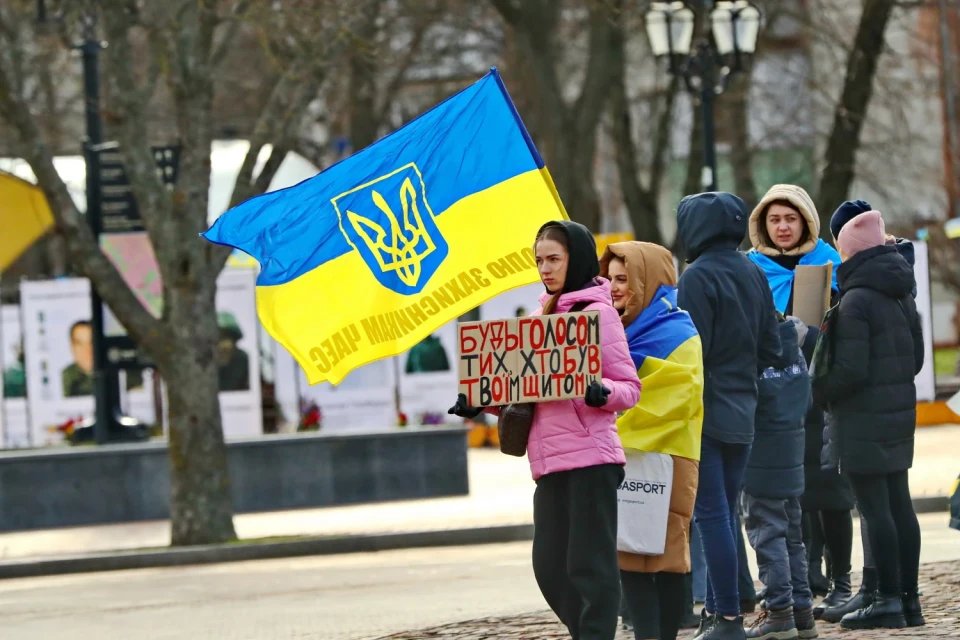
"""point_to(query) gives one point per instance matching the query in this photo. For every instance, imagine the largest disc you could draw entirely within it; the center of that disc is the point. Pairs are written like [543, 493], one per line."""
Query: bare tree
[641, 199]
[566, 130]
[186, 40]
[844, 141]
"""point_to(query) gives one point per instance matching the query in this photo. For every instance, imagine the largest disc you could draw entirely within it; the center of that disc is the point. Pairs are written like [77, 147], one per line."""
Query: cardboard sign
[535, 359]
[811, 292]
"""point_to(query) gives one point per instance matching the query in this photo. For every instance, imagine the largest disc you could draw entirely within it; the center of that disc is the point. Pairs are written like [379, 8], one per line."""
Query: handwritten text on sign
[535, 359]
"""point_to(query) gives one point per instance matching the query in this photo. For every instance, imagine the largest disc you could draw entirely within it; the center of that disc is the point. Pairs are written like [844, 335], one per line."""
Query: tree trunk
[693, 183]
[567, 133]
[841, 154]
[642, 203]
[363, 61]
[643, 217]
[201, 509]
[736, 104]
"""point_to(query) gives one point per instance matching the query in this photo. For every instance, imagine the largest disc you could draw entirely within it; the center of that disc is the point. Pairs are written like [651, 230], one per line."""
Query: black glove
[464, 410]
[596, 395]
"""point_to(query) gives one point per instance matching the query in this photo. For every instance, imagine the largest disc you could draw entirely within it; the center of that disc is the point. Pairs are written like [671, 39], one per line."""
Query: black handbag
[513, 428]
[516, 420]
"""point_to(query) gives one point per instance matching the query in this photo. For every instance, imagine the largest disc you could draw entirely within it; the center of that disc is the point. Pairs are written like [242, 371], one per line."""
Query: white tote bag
[643, 503]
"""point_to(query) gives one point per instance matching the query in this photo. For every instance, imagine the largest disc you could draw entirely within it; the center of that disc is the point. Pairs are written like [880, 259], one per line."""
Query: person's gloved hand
[596, 395]
[464, 410]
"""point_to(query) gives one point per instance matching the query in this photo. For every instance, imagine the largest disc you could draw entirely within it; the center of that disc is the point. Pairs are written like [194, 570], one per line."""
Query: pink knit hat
[863, 232]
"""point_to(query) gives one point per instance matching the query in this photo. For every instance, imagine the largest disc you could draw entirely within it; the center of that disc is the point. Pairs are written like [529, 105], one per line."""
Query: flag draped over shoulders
[781, 278]
[666, 350]
[373, 254]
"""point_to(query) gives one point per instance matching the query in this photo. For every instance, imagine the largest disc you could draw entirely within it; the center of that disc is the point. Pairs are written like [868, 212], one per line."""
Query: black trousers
[656, 603]
[831, 529]
[575, 548]
[892, 528]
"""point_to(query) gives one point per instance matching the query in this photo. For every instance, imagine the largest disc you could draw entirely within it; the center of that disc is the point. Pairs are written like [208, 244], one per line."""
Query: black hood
[789, 343]
[711, 220]
[584, 264]
[905, 248]
[880, 268]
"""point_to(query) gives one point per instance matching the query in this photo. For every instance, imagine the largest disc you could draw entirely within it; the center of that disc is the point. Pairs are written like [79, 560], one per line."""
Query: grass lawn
[945, 361]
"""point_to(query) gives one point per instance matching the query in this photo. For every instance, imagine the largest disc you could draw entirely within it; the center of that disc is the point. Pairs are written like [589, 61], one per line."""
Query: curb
[932, 504]
[213, 554]
[317, 546]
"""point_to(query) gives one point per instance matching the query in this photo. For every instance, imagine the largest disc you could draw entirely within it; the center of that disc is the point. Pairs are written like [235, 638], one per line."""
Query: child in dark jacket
[773, 484]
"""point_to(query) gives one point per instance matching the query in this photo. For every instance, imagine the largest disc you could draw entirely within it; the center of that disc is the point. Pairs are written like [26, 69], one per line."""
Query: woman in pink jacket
[574, 450]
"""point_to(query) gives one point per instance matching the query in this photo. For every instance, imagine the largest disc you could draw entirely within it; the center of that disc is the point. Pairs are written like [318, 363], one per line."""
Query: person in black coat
[839, 602]
[772, 487]
[876, 350]
[731, 305]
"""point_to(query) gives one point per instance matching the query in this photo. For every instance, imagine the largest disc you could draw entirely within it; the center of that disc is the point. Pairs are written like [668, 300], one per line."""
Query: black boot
[886, 612]
[837, 596]
[862, 600]
[819, 585]
[818, 582]
[912, 612]
[727, 629]
[706, 624]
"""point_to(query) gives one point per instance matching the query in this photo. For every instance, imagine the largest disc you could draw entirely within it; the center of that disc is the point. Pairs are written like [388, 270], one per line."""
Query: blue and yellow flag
[370, 256]
[25, 217]
[668, 355]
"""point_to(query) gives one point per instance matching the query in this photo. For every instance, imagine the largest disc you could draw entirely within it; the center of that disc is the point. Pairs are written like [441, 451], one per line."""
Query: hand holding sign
[535, 359]
[596, 395]
[464, 410]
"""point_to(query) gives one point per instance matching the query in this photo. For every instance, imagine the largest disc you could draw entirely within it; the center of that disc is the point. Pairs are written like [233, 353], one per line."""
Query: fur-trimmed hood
[648, 267]
[802, 201]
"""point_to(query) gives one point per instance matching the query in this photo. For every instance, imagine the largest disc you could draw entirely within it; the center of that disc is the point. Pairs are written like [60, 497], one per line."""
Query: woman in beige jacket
[666, 351]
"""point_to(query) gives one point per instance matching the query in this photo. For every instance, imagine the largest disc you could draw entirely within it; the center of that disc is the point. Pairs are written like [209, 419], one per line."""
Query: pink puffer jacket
[568, 434]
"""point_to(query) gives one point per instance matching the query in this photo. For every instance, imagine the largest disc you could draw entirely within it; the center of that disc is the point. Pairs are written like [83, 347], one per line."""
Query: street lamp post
[705, 69]
[105, 382]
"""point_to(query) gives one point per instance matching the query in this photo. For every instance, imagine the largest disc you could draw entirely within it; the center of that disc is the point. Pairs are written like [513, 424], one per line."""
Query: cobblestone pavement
[358, 596]
[939, 583]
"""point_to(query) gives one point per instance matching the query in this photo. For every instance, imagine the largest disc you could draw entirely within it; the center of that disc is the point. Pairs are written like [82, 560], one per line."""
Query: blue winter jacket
[775, 467]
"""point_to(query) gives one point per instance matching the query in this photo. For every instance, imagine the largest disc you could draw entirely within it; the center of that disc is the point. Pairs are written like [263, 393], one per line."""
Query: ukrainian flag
[370, 256]
[25, 217]
[666, 350]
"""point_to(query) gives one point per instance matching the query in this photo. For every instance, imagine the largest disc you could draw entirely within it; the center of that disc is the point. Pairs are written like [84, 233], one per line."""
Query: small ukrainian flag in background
[372, 255]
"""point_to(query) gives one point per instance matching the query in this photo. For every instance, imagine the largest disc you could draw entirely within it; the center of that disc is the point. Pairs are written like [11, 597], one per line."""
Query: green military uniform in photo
[233, 371]
[429, 355]
[15, 382]
[77, 382]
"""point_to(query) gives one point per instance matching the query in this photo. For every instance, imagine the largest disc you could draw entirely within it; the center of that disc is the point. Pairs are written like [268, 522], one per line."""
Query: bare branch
[229, 36]
[153, 199]
[510, 11]
[599, 74]
[641, 201]
[661, 142]
[413, 49]
[288, 100]
[851, 111]
[80, 242]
